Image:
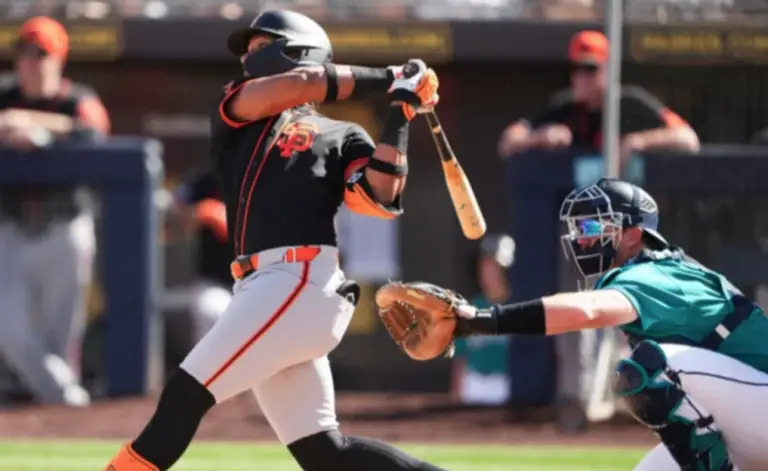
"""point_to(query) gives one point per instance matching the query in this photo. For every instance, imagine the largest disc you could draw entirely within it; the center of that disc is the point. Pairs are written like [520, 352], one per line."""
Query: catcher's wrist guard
[420, 317]
[528, 317]
[520, 318]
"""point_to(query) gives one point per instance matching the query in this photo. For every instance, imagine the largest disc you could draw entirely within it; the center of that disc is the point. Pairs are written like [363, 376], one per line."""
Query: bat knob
[410, 69]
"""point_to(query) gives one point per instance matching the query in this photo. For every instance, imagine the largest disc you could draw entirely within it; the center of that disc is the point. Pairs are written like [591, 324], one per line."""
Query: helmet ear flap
[269, 60]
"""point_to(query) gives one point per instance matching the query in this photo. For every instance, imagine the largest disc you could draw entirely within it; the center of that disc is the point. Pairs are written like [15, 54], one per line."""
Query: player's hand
[414, 88]
[23, 139]
[553, 136]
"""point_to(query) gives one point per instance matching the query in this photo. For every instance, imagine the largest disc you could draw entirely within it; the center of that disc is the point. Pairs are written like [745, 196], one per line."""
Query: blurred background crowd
[657, 11]
[152, 68]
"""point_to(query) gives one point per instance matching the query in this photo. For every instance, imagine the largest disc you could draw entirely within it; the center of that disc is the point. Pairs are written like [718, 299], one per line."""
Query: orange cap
[46, 33]
[588, 47]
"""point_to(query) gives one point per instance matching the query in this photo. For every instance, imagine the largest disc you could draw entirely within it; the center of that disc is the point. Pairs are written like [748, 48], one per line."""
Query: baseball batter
[698, 374]
[284, 170]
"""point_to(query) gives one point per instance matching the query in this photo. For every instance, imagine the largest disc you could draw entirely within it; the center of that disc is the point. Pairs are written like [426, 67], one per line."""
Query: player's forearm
[55, 123]
[678, 138]
[515, 139]
[386, 172]
[553, 315]
[386, 187]
[268, 96]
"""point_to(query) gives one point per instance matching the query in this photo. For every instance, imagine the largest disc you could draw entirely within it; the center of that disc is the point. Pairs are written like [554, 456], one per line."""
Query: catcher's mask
[299, 40]
[595, 217]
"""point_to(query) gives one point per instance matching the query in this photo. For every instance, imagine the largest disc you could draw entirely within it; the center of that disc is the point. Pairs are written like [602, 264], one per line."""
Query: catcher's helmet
[596, 216]
[297, 36]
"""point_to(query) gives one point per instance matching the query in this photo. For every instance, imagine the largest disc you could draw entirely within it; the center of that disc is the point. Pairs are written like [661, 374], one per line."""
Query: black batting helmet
[305, 40]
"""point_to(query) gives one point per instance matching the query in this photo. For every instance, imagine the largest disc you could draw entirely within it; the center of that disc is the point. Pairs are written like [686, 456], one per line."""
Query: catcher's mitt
[419, 317]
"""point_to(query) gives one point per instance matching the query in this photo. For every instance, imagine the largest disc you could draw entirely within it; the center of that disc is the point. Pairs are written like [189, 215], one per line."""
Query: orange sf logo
[297, 137]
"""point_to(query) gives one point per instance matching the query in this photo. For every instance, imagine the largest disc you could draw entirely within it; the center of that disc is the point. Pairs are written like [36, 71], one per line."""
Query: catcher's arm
[550, 315]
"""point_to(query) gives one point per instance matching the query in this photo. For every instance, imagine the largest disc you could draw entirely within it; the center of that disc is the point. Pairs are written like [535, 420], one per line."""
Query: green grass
[93, 456]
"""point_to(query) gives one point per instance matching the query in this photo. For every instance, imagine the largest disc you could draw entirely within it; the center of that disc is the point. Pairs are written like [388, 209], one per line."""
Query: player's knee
[319, 452]
[185, 395]
[648, 396]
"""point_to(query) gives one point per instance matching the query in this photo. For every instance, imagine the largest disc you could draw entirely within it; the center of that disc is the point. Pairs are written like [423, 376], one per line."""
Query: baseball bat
[463, 197]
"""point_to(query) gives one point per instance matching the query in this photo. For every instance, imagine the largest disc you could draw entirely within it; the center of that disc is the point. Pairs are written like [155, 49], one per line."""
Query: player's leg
[271, 324]
[299, 403]
[657, 400]
[46, 376]
[65, 270]
[733, 392]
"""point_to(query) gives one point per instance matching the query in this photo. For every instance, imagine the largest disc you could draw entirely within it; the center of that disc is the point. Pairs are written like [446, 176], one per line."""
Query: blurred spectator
[47, 240]
[480, 370]
[201, 303]
[574, 117]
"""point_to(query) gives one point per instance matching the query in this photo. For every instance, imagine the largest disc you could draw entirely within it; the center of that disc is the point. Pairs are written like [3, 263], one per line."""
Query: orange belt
[244, 265]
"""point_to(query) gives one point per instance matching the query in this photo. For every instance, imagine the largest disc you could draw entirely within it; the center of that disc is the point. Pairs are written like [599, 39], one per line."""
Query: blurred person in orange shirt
[47, 239]
[574, 117]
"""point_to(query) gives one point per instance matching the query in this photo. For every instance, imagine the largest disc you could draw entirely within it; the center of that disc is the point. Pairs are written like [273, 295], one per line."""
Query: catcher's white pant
[274, 339]
[733, 393]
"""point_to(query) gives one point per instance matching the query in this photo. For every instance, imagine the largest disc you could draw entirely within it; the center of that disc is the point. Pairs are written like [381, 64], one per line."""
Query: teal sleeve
[655, 303]
[668, 300]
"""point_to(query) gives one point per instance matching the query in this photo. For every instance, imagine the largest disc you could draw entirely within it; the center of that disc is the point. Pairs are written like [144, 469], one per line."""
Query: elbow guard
[360, 199]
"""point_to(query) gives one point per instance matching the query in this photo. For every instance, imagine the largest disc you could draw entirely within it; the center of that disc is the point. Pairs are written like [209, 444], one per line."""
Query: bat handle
[441, 140]
[434, 122]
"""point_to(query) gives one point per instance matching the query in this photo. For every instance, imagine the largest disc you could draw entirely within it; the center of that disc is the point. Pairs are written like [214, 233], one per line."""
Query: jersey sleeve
[91, 113]
[645, 111]
[555, 111]
[356, 150]
[221, 117]
[668, 300]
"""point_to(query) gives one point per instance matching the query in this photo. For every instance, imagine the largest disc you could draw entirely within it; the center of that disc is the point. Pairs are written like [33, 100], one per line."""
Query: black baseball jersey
[640, 111]
[213, 254]
[283, 178]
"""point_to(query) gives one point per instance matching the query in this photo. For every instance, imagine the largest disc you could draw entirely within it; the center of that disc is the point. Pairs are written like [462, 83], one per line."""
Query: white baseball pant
[274, 339]
[733, 393]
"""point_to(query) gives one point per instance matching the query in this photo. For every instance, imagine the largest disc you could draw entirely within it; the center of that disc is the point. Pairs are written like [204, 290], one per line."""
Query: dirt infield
[389, 417]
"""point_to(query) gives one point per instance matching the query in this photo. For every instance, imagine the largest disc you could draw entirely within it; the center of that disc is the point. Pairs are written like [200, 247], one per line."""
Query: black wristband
[387, 167]
[369, 80]
[395, 131]
[528, 317]
[332, 90]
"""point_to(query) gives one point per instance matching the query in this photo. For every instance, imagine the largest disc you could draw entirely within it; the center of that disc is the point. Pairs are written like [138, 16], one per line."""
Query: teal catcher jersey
[680, 301]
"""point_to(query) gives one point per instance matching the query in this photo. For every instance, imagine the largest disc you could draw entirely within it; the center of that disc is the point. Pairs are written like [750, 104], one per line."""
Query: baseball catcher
[698, 372]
